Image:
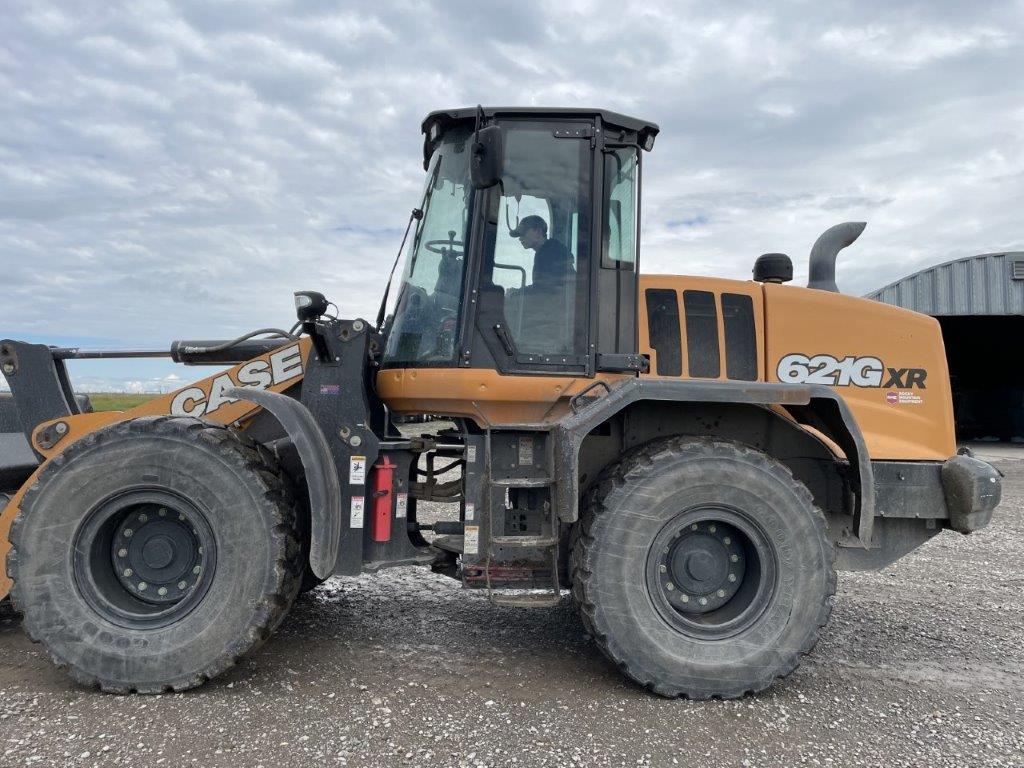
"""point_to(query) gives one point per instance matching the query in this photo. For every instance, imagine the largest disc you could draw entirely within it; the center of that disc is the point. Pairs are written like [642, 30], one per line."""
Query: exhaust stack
[822, 267]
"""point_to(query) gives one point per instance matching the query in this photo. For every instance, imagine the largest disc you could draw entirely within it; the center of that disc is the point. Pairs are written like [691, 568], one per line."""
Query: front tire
[702, 568]
[152, 554]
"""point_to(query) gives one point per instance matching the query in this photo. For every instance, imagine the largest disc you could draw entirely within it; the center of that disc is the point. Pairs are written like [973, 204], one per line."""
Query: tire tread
[619, 475]
[235, 447]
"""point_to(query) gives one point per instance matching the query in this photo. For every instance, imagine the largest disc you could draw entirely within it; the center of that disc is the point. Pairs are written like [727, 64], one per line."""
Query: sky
[177, 169]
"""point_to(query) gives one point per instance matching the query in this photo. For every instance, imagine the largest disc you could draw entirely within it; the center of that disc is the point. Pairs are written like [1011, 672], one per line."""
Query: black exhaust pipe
[826, 249]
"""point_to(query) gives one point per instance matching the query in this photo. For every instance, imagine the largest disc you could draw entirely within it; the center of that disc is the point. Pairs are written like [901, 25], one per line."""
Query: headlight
[309, 305]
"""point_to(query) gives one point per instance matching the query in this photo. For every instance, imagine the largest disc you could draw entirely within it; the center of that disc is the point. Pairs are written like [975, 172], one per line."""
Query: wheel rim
[711, 572]
[144, 559]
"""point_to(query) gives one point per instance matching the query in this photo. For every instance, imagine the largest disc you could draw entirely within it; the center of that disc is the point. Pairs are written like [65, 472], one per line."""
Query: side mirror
[487, 161]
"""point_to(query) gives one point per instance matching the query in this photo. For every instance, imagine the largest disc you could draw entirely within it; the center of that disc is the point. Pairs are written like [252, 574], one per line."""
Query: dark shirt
[552, 264]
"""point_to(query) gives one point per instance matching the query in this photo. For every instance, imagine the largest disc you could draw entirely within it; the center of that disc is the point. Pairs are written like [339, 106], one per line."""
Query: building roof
[989, 284]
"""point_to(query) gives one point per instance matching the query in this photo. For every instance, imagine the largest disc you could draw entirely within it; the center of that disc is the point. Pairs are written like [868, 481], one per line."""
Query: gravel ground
[922, 665]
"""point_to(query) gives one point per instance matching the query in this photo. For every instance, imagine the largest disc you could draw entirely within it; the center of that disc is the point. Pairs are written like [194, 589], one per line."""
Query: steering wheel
[449, 245]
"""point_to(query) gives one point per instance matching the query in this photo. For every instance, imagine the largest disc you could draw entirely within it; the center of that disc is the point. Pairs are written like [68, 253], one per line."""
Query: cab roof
[445, 118]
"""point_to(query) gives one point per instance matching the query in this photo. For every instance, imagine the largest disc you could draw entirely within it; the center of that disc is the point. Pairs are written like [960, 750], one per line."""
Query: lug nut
[732, 577]
[143, 518]
[721, 593]
[727, 541]
[662, 568]
[670, 586]
[734, 558]
[685, 598]
[142, 586]
[162, 591]
[162, 512]
[703, 601]
[196, 570]
[122, 552]
[713, 528]
[128, 533]
[182, 584]
[128, 572]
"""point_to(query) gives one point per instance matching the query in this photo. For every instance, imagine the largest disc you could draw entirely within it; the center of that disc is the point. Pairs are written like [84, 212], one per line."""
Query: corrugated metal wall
[977, 285]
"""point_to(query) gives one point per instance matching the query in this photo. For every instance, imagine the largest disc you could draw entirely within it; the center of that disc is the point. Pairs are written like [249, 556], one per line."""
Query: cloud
[889, 47]
[777, 109]
[175, 170]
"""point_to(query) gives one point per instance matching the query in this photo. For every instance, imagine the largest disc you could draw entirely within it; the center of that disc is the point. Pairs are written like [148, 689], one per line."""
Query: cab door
[533, 294]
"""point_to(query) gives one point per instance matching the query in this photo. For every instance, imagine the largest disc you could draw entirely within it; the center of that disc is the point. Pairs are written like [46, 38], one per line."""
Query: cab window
[534, 274]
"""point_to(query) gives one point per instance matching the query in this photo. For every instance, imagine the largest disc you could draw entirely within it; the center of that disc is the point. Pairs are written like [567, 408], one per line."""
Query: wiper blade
[415, 215]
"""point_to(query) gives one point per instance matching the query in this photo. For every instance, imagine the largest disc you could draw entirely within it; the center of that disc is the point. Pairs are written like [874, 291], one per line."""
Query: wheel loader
[692, 458]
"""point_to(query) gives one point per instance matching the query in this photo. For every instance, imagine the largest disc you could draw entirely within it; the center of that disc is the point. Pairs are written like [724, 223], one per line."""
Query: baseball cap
[529, 222]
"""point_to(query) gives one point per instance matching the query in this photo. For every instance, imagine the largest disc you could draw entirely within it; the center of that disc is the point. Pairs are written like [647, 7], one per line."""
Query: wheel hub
[156, 554]
[701, 566]
[702, 569]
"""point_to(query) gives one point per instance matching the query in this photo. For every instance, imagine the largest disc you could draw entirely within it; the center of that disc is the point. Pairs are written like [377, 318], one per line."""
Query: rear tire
[152, 554]
[702, 568]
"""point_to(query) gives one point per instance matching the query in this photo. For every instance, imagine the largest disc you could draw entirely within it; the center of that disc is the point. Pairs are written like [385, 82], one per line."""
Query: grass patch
[116, 401]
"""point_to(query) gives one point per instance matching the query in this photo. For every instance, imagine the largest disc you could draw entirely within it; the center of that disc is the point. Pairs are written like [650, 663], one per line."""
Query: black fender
[813, 405]
[318, 464]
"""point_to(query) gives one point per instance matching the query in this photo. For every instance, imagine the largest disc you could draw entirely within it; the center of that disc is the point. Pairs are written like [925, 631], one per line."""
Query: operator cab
[529, 265]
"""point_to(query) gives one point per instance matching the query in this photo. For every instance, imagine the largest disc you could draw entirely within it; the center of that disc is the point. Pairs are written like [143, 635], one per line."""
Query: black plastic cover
[973, 490]
[773, 268]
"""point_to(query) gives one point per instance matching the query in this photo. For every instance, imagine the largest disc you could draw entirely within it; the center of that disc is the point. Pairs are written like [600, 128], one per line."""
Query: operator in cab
[552, 262]
[545, 324]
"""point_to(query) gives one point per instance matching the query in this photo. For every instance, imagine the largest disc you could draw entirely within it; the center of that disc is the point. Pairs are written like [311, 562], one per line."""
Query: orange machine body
[888, 364]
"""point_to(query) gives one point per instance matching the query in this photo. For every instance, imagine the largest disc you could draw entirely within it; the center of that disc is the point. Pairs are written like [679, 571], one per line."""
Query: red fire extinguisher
[383, 479]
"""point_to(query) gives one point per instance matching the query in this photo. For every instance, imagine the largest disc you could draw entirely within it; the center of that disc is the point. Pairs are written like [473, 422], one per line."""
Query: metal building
[979, 302]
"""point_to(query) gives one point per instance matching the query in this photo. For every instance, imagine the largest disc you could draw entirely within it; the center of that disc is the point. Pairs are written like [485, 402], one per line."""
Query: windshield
[428, 308]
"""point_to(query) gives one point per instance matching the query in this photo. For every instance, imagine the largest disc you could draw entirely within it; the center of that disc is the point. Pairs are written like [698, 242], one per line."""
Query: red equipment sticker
[903, 397]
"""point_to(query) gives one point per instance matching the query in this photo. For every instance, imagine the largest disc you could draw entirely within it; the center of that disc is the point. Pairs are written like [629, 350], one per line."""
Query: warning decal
[357, 470]
[356, 517]
[401, 504]
[471, 542]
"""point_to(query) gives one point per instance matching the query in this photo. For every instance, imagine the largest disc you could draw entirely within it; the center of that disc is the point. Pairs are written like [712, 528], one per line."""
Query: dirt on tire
[622, 515]
[249, 505]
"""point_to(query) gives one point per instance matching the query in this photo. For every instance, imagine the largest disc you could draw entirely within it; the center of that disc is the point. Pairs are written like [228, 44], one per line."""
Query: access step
[523, 482]
[524, 542]
[546, 600]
